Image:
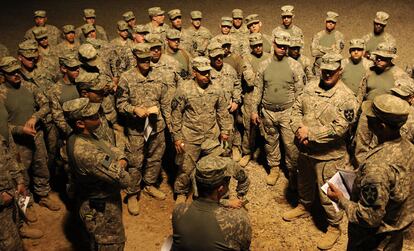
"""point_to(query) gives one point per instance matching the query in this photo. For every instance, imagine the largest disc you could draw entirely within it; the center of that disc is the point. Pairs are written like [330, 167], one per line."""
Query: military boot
[329, 238]
[236, 154]
[181, 198]
[296, 213]
[30, 214]
[30, 232]
[245, 160]
[154, 192]
[273, 176]
[133, 205]
[49, 203]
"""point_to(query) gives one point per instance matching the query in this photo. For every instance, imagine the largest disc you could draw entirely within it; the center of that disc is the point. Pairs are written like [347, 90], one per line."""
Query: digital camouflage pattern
[54, 35]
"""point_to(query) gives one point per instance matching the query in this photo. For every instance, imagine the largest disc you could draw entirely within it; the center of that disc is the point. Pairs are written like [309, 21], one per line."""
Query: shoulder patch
[369, 194]
[349, 115]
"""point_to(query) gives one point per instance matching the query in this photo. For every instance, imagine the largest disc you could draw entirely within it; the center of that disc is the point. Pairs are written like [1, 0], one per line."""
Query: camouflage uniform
[100, 31]
[54, 34]
[410, 70]
[200, 38]
[99, 178]
[181, 55]
[241, 33]
[267, 40]
[4, 51]
[66, 47]
[293, 30]
[302, 59]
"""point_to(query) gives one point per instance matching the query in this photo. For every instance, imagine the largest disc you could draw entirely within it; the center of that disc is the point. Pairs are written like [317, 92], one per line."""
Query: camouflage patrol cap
[296, 41]
[28, 48]
[9, 64]
[88, 54]
[141, 29]
[381, 17]
[215, 49]
[40, 13]
[173, 34]
[196, 14]
[287, 10]
[211, 171]
[403, 87]
[251, 19]
[281, 37]
[331, 61]
[386, 50]
[155, 11]
[153, 40]
[89, 13]
[69, 60]
[86, 28]
[357, 43]
[141, 50]
[255, 38]
[388, 108]
[122, 25]
[172, 14]
[89, 81]
[237, 13]
[96, 43]
[226, 21]
[68, 28]
[225, 40]
[128, 16]
[79, 108]
[201, 64]
[211, 147]
[332, 16]
[40, 32]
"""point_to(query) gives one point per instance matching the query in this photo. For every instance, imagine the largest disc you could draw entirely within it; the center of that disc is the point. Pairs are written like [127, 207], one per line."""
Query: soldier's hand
[235, 203]
[122, 163]
[118, 127]
[21, 189]
[29, 131]
[179, 146]
[233, 106]
[255, 119]
[224, 137]
[31, 123]
[334, 193]
[141, 112]
[302, 134]
[6, 198]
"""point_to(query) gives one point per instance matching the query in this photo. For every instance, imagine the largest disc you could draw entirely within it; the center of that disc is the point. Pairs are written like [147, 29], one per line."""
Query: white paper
[147, 129]
[344, 181]
[23, 201]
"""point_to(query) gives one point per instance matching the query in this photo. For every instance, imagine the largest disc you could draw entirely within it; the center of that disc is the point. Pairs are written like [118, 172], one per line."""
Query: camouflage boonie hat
[89, 81]
[141, 50]
[281, 37]
[357, 43]
[227, 21]
[40, 13]
[69, 60]
[215, 49]
[28, 48]
[331, 61]
[237, 13]
[403, 87]
[89, 13]
[172, 14]
[196, 14]
[173, 34]
[155, 11]
[381, 17]
[332, 16]
[251, 19]
[287, 10]
[153, 40]
[122, 25]
[68, 28]
[80, 108]
[211, 171]
[40, 32]
[388, 108]
[296, 42]
[9, 64]
[211, 147]
[86, 28]
[140, 28]
[128, 16]
[386, 50]
[201, 64]
[88, 54]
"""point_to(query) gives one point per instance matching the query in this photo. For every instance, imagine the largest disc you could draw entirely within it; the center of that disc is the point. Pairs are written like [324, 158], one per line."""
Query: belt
[276, 108]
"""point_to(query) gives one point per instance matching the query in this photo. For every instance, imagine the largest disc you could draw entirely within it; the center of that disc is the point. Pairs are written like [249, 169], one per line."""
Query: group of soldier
[104, 112]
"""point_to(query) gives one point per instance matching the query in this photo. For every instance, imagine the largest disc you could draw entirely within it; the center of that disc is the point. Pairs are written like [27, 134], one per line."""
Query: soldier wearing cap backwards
[296, 44]
[280, 79]
[327, 40]
[373, 39]
[40, 20]
[70, 44]
[180, 55]
[89, 17]
[142, 99]
[204, 224]
[199, 111]
[129, 18]
[381, 206]
[255, 25]
[99, 175]
[156, 24]
[287, 22]
[320, 119]
[200, 35]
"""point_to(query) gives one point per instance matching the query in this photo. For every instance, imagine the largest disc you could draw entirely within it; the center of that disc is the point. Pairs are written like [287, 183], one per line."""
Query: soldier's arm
[122, 98]
[362, 90]
[177, 110]
[248, 72]
[339, 43]
[298, 77]
[316, 49]
[236, 92]
[57, 114]
[223, 116]
[16, 170]
[257, 91]
[296, 114]
[109, 110]
[42, 103]
[165, 104]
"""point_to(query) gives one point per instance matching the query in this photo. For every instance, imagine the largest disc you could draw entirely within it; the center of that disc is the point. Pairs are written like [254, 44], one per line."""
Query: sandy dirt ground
[148, 230]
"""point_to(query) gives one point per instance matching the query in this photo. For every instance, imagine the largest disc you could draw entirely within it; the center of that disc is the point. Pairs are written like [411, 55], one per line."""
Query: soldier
[122, 39]
[279, 81]
[356, 66]
[40, 19]
[250, 132]
[70, 44]
[89, 17]
[200, 35]
[27, 106]
[287, 22]
[238, 28]
[3, 51]
[372, 40]
[236, 46]
[204, 224]
[129, 17]
[254, 25]
[122, 45]
[380, 209]
[320, 119]
[139, 33]
[176, 24]
[99, 174]
[45, 49]
[327, 40]
[404, 89]
[92, 62]
[199, 111]
[156, 24]
[296, 44]
[180, 55]
[142, 99]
